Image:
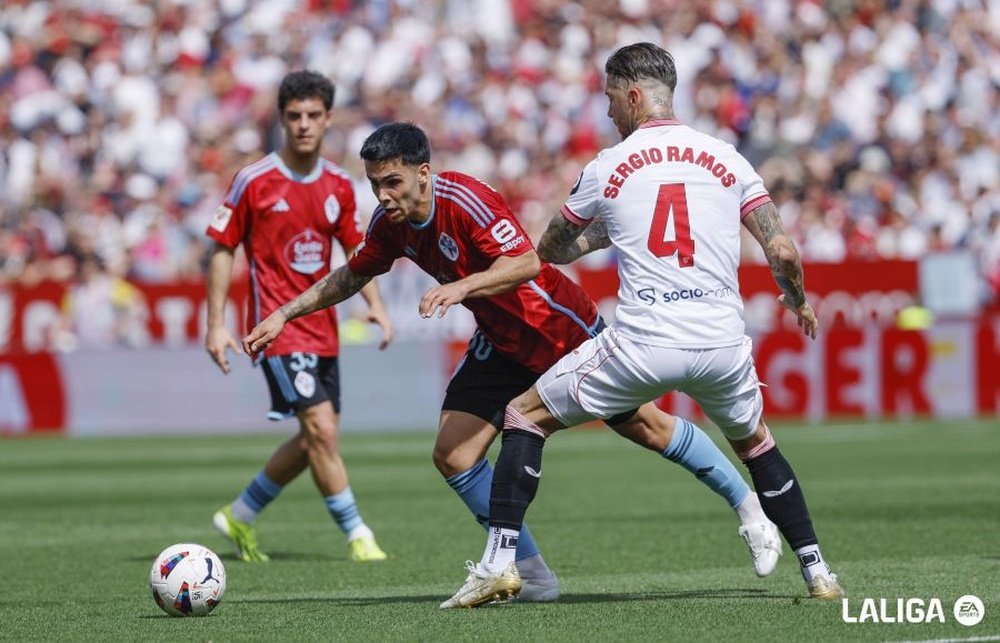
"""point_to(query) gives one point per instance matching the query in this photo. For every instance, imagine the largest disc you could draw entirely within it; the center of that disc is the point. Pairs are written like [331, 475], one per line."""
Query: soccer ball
[187, 580]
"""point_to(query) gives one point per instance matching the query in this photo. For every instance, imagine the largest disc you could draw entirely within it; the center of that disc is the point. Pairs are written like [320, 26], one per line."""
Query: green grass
[643, 551]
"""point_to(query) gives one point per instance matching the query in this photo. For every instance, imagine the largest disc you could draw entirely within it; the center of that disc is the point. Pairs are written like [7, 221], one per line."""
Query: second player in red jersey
[286, 209]
[468, 228]
[286, 222]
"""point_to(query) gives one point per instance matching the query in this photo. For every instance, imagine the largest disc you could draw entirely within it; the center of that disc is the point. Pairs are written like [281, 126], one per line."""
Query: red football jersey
[469, 227]
[286, 222]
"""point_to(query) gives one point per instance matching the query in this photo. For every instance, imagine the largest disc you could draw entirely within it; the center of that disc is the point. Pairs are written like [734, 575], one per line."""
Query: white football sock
[501, 545]
[749, 511]
[811, 562]
[242, 511]
[360, 531]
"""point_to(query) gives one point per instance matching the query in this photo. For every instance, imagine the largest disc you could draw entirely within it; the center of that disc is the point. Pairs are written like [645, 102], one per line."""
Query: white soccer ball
[187, 580]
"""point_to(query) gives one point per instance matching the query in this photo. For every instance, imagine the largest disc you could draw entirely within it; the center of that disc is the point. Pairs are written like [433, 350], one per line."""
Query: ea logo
[969, 610]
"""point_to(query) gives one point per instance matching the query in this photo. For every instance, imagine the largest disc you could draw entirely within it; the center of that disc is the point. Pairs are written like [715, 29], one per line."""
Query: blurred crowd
[876, 125]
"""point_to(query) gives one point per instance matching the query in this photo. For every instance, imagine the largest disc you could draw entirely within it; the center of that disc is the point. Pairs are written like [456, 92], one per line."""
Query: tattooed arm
[783, 257]
[328, 291]
[565, 242]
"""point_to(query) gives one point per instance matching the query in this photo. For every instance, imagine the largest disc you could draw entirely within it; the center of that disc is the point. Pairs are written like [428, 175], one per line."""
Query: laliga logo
[968, 610]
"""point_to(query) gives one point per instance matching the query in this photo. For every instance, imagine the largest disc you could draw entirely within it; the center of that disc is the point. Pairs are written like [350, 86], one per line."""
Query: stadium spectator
[679, 325]
[285, 210]
[100, 310]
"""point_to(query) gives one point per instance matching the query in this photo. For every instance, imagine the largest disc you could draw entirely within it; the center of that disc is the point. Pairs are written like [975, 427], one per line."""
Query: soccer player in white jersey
[671, 200]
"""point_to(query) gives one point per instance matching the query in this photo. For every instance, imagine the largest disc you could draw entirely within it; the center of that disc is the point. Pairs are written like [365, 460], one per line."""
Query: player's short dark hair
[642, 60]
[300, 85]
[403, 141]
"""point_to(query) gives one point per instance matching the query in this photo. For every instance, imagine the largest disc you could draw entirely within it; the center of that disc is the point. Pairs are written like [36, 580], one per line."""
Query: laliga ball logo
[969, 610]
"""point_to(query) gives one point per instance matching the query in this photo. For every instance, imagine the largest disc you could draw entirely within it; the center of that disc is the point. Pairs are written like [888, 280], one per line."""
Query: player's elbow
[532, 265]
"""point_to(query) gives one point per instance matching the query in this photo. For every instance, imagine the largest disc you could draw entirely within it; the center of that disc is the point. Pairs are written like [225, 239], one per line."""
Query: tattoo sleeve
[782, 255]
[564, 242]
[328, 291]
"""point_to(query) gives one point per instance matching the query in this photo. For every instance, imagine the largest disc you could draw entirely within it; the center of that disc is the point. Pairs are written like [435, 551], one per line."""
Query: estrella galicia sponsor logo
[969, 610]
[306, 252]
[448, 247]
[650, 296]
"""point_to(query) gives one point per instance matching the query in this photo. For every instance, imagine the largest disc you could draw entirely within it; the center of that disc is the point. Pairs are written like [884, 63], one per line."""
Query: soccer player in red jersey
[285, 209]
[460, 231]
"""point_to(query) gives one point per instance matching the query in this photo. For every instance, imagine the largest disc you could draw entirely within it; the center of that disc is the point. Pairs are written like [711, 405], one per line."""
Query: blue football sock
[473, 487]
[693, 450]
[344, 510]
[259, 493]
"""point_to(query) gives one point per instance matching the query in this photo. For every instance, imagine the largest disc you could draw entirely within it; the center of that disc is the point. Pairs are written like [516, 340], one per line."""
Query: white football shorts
[611, 374]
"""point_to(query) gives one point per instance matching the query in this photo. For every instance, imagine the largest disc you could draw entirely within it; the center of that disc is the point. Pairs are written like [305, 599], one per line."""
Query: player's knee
[648, 427]
[516, 419]
[756, 444]
[521, 403]
[450, 461]
[321, 436]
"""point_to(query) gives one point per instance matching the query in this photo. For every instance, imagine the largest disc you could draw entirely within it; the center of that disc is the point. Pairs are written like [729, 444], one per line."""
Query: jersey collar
[660, 122]
[291, 175]
[430, 218]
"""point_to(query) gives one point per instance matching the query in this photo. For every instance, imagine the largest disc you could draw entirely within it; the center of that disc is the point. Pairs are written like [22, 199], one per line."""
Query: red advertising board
[32, 394]
[859, 366]
[172, 312]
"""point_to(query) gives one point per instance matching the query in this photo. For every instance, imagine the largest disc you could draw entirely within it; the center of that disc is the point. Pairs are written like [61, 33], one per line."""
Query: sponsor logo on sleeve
[506, 235]
[331, 207]
[221, 218]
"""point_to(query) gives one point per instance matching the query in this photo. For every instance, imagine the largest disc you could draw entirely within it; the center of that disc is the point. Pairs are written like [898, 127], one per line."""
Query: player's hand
[805, 315]
[264, 333]
[380, 317]
[217, 341]
[442, 297]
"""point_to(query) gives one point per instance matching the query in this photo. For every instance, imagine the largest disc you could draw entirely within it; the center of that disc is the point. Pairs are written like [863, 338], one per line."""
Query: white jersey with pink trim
[672, 199]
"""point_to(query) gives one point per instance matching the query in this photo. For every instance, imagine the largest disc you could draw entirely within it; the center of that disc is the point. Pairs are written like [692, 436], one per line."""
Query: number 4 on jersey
[672, 197]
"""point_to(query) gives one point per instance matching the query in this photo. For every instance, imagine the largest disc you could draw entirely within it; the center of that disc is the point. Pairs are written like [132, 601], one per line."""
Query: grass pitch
[644, 551]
